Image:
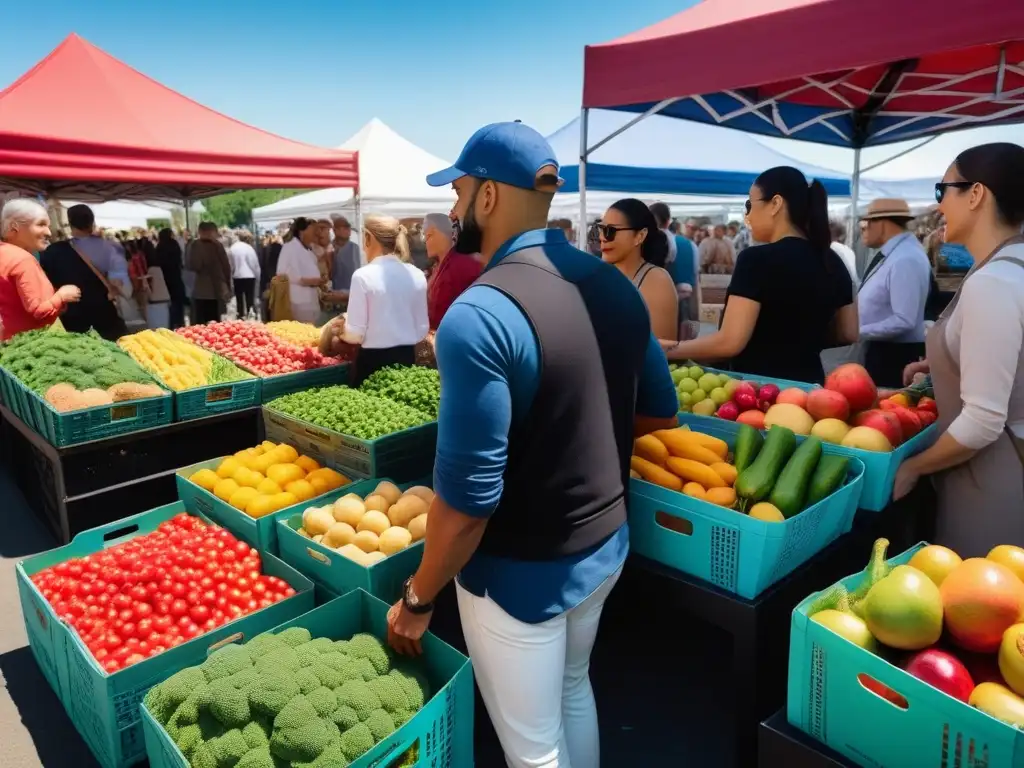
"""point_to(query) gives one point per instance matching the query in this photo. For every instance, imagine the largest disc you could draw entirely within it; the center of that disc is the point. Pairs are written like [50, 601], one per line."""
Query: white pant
[535, 679]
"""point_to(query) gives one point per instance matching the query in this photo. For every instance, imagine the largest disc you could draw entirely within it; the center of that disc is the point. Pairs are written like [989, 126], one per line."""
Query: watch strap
[417, 608]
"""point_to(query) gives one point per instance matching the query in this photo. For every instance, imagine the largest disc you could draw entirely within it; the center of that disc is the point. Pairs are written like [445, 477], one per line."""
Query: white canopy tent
[392, 180]
[127, 214]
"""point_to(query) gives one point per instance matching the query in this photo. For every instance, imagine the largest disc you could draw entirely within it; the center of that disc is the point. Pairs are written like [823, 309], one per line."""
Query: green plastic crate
[297, 381]
[441, 733]
[404, 455]
[105, 707]
[199, 402]
[325, 566]
[259, 532]
[828, 700]
[727, 548]
[63, 429]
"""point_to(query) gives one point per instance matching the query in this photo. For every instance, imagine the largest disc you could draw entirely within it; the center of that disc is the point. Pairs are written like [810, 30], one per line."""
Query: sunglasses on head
[609, 231]
[942, 186]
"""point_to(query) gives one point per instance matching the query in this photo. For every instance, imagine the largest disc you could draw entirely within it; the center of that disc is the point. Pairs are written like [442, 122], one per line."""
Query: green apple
[678, 375]
[730, 386]
[672, 366]
[686, 385]
[719, 395]
[708, 381]
[697, 395]
[705, 407]
[695, 372]
[684, 398]
[723, 379]
[684, 408]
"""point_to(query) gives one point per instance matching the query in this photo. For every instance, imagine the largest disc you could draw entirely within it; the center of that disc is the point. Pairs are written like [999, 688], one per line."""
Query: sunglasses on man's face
[609, 231]
[942, 186]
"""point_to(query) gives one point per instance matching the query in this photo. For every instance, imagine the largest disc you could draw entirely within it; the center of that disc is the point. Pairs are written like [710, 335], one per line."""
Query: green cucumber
[748, 445]
[790, 490]
[828, 477]
[756, 481]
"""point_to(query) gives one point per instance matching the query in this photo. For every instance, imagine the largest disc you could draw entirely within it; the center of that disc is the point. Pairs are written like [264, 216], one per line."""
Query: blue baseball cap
[509, 153]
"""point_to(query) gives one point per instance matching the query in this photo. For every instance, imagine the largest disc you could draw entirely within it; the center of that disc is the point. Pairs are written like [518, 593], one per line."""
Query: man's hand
[405, 629]
[685, 290]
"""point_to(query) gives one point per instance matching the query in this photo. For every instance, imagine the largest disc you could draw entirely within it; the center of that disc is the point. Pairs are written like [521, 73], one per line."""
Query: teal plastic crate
[325, 566]
[261, 532]
[439, 736]
[404, 455]
[727, 548]
[105, 707]
[63, 429]
[199, 402]
[286, 383]
[780, 383]
[828, 700]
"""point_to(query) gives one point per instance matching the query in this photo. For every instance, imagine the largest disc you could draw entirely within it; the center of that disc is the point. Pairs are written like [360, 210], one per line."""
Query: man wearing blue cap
[546, 362]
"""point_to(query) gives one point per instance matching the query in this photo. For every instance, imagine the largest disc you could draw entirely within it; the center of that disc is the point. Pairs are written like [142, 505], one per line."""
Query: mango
[307, 464]
[1011, 658]
[205, 479]
[225, 489]
[240, 499]
[904, 610]
[999, 702]
[282, 474]
[301, 489]
[228, 467]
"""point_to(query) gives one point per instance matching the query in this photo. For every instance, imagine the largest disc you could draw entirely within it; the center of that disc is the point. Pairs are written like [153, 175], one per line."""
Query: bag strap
[92, 268]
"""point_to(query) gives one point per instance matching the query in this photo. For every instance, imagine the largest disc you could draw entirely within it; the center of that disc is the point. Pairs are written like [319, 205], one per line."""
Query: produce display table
[82, 486]
[780, 744]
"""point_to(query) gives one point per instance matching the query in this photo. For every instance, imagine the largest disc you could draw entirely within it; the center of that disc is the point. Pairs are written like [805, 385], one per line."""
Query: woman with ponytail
[630, 239]
[387, 303]
[788, 299]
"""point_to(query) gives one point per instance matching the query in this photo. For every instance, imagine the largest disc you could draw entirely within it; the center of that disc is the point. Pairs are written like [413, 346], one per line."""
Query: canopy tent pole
[582, 228]
[359, 225]
[188, 212]
[854, 234]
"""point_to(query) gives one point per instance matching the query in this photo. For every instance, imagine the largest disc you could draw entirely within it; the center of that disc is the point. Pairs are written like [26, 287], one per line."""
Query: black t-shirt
[799, 290]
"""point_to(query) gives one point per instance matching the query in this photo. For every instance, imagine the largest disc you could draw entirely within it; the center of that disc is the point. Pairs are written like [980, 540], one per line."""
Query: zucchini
[790, 490]
[748, 445]
[756, 481]
[828, 477]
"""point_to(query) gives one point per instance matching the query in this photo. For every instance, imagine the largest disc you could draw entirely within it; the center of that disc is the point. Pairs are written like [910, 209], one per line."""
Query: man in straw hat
[893, 293]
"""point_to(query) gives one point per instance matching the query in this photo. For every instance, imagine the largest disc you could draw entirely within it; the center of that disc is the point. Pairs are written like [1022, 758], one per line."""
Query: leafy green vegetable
[41, 359]
[413, 385]
[223, 371]
[350, 411]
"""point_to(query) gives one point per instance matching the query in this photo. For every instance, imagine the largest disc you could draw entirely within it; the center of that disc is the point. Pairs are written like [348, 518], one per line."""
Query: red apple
[793, 396]
[728, 410]
[745, 401]
[768, 393]
[888, 405]
[827, 404]
[943, 671]
[754, 418]
[744, 388]
[910, 423]
[886, 422]
[855, 384]
[927, 417]
[763, 405]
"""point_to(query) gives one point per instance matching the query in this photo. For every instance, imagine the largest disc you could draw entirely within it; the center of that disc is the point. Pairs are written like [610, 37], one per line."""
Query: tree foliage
[235, 208]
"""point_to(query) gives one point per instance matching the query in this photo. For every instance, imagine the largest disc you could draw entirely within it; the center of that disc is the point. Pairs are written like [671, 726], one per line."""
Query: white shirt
[671, 245]
[985, 334]
[297, 261]
[849, 258]
[387, 305]
[244, 262]
[892, 297]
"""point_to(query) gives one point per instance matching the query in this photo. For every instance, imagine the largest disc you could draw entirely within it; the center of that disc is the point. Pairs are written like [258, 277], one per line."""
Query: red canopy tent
[86, 126]
[851, 73]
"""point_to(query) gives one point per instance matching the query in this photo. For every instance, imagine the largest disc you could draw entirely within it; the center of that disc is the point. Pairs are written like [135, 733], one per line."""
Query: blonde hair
[390, 233]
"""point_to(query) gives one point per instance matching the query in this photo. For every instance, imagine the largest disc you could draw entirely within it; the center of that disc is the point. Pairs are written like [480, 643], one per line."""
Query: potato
[374, 521]
[373, 557]
[389, 491]
[378, 502]
[338, 535]
[366, 541]
[394, 539]
[422, 492]
[406, 509]
[418, 527]
[349, 509]
[317, 520]
[318, 538]
[354, 553]
[303, 532]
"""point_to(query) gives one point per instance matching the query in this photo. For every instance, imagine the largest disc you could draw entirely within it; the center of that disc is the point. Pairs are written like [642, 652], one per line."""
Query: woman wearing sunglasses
[788, 299]
[974, 355]
[630, 239]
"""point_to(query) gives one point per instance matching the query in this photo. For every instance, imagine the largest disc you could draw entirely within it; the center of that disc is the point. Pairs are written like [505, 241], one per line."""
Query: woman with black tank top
[788, 299]
[630, 240]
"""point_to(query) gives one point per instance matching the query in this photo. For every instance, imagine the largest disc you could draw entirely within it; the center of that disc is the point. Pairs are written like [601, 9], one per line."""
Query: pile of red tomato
[252, 346]
[157, 591]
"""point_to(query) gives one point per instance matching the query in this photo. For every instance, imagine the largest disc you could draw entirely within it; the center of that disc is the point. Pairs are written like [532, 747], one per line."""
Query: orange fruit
[936, 562]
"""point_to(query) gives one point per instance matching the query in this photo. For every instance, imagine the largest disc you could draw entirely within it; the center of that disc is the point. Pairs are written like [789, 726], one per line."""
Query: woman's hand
[921, 366]
[906, 480]
[331, 343]
[69, 294]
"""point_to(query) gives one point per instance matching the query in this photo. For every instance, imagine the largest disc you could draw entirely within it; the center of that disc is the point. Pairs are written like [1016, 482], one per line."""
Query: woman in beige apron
[980, 493]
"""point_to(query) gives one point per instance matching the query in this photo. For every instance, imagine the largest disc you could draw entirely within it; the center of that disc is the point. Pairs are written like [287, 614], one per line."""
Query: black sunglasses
[942, 186]
[609, 231]
[747, 204]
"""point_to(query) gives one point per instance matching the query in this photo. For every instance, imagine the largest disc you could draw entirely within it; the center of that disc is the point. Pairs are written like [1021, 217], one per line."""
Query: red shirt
[453, 275]
[27, 299]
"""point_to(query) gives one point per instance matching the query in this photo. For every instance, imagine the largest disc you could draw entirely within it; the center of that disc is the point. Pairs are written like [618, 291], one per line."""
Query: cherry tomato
[179, 608]
[199, 613]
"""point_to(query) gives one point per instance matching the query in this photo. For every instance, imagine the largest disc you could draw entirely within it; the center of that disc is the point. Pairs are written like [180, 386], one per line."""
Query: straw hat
[888, 208]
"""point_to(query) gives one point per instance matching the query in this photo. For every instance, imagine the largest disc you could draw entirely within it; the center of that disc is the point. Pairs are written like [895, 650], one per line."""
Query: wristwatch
[411, 602]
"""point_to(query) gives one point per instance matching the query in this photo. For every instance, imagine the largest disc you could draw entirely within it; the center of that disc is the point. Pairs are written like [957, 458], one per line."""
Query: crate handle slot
[226, 641]
[673, 523]
[318, 556]
[219, 394]
[120, 533]
[400, 753]
[883, 691]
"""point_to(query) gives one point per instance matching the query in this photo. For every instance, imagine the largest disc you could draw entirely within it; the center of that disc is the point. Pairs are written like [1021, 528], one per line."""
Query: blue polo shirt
[489, 361]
